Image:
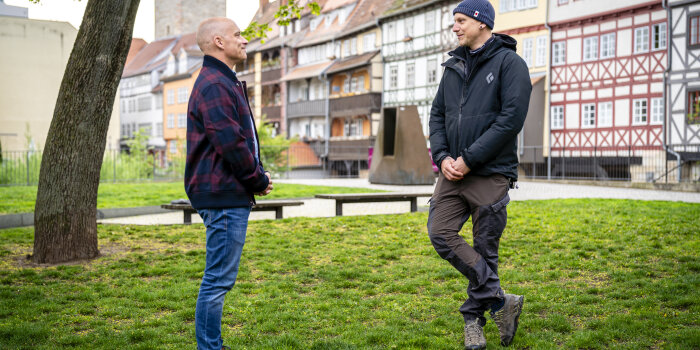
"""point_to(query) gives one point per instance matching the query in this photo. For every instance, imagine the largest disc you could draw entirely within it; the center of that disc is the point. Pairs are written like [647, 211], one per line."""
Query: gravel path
[326, 208]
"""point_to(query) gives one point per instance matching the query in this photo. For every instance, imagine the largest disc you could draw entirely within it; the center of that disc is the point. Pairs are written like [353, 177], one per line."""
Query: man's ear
[218, 42]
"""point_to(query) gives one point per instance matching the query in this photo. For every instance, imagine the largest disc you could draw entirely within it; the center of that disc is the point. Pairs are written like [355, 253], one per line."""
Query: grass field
[595, 274]
[21, 199]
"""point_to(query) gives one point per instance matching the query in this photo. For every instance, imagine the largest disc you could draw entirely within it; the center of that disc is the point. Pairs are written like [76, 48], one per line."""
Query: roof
[190, 70]
[351, 62]
[149, 58]
[535, 80]
[331, 5]
[136, 45]
[155, 55]
[306, 71]
[402, 6]
[365, 15]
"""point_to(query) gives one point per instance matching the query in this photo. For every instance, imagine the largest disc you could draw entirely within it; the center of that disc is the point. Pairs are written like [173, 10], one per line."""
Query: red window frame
[694, 40]
[693, 112]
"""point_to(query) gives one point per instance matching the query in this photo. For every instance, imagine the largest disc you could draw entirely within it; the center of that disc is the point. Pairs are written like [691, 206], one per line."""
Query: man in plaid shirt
[223, 169]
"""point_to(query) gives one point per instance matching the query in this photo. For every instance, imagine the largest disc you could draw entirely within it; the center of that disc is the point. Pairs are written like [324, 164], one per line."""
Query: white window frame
[173, 146]
[657, 111]
[368, 42]
[181, 120]
[528, 44]
[559, 53]
[182, 95]
[541, 56]
[159, 129]
[410, 74]
[171, 121]
[605, 114]
[641, 39]
[171, 96]
[353, 46]
[588, 115]
[432, 71]
[393, 77]
[607, 45]
[660, 42]
[430, 22]
[590, 48]
[408, 26]
[557, 117]
[346, 48]
[640, 111]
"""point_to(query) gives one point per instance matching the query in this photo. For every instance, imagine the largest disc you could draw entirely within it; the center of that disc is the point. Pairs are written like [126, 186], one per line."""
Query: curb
[27, 219]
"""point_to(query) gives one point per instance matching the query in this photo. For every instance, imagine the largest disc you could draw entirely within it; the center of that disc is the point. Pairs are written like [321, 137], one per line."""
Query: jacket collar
[213, 63]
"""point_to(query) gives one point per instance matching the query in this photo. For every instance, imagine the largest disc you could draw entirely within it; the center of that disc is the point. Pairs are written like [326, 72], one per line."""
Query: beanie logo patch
[476, 13]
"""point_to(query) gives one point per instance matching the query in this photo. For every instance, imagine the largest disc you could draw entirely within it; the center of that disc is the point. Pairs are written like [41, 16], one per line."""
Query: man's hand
[269, 186]
[460, 166]
[447, 167]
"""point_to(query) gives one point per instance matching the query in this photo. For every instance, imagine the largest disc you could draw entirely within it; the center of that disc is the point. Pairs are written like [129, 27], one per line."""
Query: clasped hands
[269, 188]
[454, 170]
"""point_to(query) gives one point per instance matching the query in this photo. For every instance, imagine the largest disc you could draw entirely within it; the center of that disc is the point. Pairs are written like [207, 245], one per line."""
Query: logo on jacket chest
[489, 78]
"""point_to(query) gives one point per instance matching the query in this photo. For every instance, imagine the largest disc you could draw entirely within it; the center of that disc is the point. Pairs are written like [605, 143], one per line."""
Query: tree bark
[65, 215]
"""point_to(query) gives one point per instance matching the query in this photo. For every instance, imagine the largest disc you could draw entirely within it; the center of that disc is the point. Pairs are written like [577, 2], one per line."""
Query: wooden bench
[268, 205]
[373, 197]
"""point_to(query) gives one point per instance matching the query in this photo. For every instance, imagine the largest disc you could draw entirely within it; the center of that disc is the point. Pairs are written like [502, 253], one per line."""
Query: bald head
[211, 28]
[221, 38]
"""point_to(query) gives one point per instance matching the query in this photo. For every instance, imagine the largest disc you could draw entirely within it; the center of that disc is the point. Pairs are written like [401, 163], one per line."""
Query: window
[641, 39]
[368, 42]
[694, 107]
[639, 115]
[527, 51]
[659, 36]
[353, 127]
[182, 120]
[557, 117]
[430, 22]
[159, 101]
[515, 5]
[408, 26]
[159, 129]
[588, 115]
[353, 46]
[144, 103]
[590, 48]
[173, 146]
[346, 48]
[559, 53]
[171, 96]
[410, 74]
[694, 30]
[541, 55]
[353, 84]
[171, 121]
[562, 2]
[182, 95]
[607, 45]
[361, 83]
[393, 77]
[605, 114]
[391, 32]
[346, 85]
[657, 110]
[432, 71]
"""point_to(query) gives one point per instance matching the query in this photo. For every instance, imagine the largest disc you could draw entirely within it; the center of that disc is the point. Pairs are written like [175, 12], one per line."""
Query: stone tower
[176, 17]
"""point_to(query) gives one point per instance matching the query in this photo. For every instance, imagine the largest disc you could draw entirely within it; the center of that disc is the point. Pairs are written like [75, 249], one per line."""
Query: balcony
[272, 113]
[271, 76]
[306, 109]
[364, 104]
[248, 77]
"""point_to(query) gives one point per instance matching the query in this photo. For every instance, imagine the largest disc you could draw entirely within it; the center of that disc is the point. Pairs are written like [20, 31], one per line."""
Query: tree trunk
[65, 216]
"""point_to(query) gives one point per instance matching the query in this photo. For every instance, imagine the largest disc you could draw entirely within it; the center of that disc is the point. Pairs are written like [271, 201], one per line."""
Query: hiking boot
[506, 318]
[474, 336]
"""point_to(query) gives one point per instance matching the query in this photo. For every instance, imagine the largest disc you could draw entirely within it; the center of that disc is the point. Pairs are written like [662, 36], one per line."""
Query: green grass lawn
[596, 274]
[21, 199]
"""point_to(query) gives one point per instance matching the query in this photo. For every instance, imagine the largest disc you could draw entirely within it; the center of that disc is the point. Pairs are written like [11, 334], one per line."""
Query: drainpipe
[549, 98]
[668, 107]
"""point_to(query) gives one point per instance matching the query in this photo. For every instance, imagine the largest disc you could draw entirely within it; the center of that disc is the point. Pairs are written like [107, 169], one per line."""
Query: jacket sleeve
[438, 133]
[515, 99]
[223, 129]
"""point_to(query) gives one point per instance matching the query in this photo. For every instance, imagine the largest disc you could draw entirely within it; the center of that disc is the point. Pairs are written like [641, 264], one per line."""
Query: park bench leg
[278, 213]
[414, 204]
[338, 208]
[187, 217]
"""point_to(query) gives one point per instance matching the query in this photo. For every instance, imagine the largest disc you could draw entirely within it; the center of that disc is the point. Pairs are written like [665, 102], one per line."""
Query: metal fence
[602, 164]
[315, 160]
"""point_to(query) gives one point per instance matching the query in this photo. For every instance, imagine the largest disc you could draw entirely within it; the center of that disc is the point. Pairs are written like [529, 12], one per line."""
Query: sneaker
[474, 336]
[506, 318]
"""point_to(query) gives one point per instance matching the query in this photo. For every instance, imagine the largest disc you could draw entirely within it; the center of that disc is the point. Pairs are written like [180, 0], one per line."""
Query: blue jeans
[226, 231]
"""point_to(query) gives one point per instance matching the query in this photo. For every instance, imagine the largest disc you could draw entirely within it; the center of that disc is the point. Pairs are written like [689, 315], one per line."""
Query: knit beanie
[480, 10]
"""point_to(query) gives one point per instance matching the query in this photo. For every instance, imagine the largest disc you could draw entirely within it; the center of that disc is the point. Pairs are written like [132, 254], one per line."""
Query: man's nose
[455, 28]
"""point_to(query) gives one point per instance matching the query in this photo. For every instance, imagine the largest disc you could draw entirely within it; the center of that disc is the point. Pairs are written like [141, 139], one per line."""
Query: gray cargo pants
[485, 199]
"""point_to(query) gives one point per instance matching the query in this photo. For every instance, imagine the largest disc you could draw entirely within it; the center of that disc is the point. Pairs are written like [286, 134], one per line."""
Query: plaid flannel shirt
[222, 168]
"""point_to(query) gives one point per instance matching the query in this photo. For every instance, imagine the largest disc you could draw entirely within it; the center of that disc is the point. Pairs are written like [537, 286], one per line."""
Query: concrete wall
[176, 17]
[32, 63]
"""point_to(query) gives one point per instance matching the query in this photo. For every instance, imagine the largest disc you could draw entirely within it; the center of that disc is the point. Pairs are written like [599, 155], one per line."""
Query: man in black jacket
[479, 109]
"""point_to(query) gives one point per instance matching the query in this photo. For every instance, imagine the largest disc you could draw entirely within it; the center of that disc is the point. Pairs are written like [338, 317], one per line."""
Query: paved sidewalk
[326, 208]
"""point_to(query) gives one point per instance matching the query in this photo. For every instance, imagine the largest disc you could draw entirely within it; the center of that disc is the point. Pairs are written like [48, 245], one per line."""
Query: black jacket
[480, 108]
